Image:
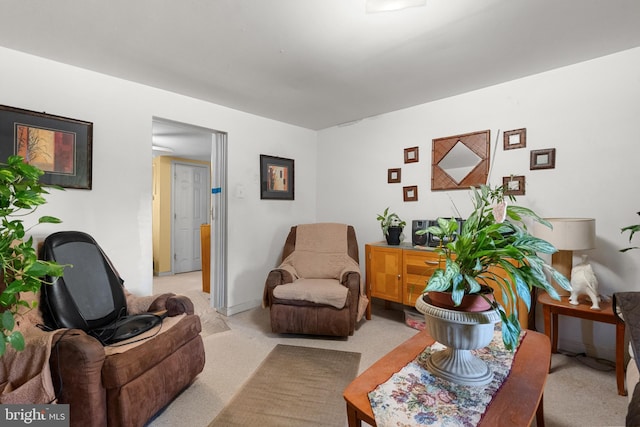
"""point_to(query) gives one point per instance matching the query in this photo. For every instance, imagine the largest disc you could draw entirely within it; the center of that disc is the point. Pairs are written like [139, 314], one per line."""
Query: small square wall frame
[514, 185]
[394, 175]
[515, 139]
[410, 193]
[411, 155]
[543, 159]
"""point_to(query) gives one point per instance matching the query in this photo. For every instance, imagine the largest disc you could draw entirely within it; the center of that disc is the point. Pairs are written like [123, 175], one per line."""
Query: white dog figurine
[583, 281]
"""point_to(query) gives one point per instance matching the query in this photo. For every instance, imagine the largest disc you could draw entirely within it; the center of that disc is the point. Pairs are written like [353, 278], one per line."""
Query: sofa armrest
[173, 304]
[76, 368]
[351, 279]
[276, 277]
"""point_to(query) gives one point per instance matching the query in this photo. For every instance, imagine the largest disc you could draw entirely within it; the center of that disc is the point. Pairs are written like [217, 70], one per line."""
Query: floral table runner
[415, 397]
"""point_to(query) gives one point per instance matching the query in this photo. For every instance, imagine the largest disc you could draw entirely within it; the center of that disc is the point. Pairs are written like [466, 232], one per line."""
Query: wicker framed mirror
[460, 161]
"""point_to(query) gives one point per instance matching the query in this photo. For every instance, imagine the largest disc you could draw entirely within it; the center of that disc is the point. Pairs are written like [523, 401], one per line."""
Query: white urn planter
[460, 332]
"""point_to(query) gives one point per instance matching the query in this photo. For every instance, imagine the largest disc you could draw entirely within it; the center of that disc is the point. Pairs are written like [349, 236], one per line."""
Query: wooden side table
[552, 308]
[517, 402]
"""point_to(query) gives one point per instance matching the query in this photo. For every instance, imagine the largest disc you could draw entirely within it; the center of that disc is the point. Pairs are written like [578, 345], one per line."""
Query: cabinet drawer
[418, 268]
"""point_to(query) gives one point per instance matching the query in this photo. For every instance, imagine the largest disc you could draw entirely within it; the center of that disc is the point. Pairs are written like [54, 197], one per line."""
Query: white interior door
[191, 209]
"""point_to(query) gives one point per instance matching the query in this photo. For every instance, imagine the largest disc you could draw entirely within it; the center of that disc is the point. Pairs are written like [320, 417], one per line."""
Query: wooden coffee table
[515, 404]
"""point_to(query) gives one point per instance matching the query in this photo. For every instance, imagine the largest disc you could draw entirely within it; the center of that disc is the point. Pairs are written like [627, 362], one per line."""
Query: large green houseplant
[494, 248]
[20, 194]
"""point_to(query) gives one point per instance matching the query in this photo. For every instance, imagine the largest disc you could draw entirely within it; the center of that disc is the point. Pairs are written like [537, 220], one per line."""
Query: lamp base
[562, 261]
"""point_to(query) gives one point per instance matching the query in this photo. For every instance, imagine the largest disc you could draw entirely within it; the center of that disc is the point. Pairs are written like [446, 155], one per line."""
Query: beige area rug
[294, 386]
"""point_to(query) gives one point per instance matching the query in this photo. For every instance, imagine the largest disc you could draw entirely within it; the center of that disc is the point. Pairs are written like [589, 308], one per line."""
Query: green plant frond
[533, 244]
[41, 268]
[48, 220]
[472, 283]
[511, 332]
[522, 212]
[560, 279]
[437, 282]
[435, 230]
[552, 292]
[16, 340]
[8, 299]
[7, 320]
[459, 288]
[535, 268]
[632, 228]
[523, 292]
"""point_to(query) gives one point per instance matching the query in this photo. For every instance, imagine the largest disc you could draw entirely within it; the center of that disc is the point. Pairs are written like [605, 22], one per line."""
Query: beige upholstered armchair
[317, 289]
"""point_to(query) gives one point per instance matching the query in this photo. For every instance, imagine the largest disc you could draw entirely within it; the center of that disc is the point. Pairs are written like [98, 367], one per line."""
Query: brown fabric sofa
[312, 314]
[115, 386]
[626, 306]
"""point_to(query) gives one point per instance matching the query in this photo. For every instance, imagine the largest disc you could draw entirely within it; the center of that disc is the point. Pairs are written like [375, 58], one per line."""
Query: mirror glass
[460, 161]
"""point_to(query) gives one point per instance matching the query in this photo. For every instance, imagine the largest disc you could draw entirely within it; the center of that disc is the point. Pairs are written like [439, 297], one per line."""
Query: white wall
[588, 112]
[117, 211]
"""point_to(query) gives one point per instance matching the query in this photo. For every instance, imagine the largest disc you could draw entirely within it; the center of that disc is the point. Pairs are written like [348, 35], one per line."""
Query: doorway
[191, 206]
[197, 159]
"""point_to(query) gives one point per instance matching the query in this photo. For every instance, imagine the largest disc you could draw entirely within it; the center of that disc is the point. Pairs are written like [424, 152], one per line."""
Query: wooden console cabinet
[400, 274]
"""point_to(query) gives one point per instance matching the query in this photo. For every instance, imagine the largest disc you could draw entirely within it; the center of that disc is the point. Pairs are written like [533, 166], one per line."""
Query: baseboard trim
[230, 311]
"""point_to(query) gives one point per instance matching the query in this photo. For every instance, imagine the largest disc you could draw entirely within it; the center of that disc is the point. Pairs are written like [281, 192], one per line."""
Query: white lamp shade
[568, 234]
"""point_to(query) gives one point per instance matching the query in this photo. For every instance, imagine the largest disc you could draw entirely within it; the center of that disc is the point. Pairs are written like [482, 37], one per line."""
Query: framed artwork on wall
[515, 139]
[410, 193]
[411, 155]
[514, 185]
[276, 178]
[60, 146]
[393, 176]
[543, 159]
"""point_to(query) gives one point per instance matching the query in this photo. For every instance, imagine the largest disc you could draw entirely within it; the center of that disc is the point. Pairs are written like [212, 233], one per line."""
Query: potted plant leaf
[392, 226]
[494, 249]
[632, 229]
[20, 194]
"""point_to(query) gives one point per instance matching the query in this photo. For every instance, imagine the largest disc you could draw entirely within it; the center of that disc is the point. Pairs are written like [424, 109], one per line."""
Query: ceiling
[319, 63]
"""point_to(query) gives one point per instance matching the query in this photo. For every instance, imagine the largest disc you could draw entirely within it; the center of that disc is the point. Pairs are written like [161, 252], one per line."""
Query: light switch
[240, 191]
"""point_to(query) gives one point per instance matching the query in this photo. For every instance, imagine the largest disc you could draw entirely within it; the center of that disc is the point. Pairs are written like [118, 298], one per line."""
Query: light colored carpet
[575, 394]
[294, 386]
[189, 285]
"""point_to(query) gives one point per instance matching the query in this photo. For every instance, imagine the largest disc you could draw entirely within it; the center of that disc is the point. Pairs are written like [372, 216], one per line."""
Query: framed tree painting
[60, 146]
[276, 178]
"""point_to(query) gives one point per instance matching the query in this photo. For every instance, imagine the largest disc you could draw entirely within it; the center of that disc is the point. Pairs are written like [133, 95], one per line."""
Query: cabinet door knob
[399, 276]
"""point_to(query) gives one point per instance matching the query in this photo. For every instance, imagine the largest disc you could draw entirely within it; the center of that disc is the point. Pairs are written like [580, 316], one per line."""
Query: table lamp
[567, 235]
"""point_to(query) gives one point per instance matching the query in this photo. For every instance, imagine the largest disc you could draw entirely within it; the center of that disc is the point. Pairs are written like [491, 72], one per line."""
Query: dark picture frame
[60, 146]
[410, 193]
[514, 185]
[543, 159]
[394, 176]
[411, 155]
[514, 139]
[276, 178]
